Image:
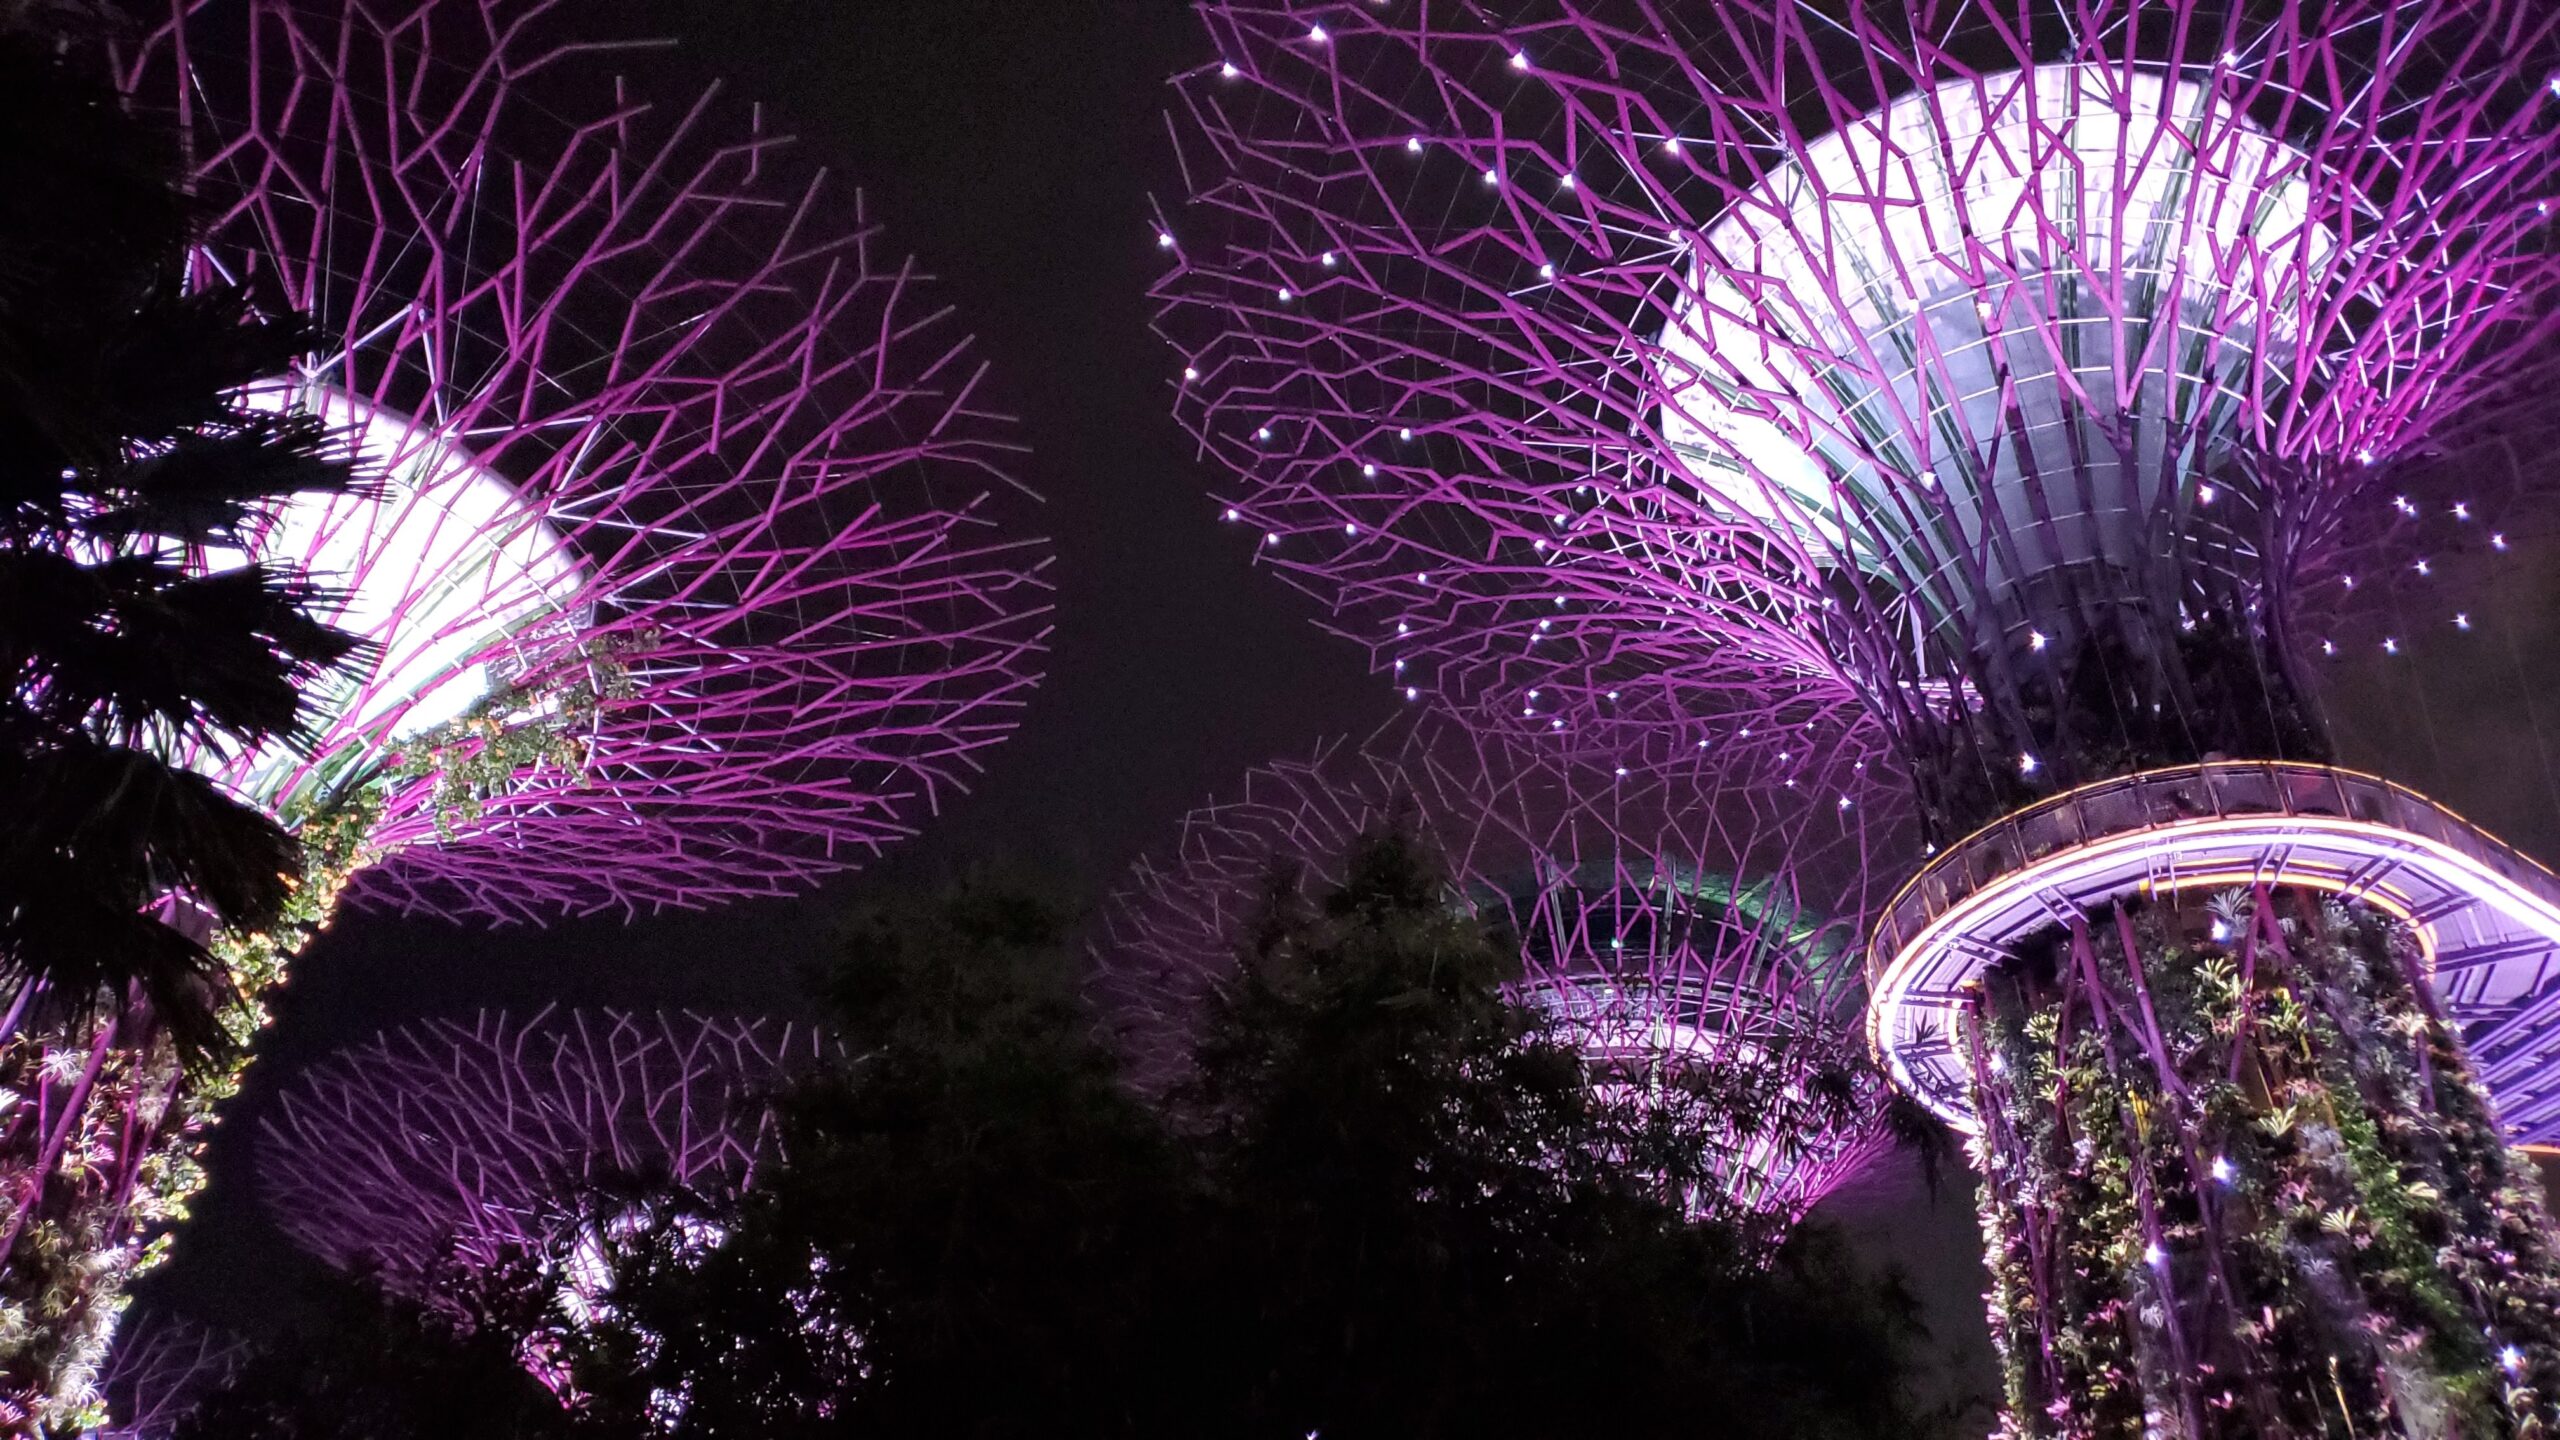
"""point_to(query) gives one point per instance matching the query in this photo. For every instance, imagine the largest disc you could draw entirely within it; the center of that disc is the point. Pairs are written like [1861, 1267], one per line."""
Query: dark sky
[1011, 144]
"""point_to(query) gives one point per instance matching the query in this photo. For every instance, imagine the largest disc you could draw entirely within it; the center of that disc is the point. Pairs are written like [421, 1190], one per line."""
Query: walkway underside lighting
[2485, 919]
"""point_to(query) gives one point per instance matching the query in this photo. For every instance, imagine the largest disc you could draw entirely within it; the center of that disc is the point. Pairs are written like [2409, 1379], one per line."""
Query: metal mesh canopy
[1673, 914]
[506, 1139]
[693, 566]
[1698, 366]
[160, 1370]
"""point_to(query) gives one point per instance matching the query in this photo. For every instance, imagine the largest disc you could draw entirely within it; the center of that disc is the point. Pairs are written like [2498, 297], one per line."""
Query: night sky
[1012, 145]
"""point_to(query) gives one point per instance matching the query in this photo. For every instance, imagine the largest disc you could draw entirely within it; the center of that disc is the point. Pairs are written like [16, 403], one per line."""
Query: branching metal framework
[1683, 914]
[693, 564]
[687, 479]
[2018, 383]
[506, 1140]
[161, 1369]
[1990, 370]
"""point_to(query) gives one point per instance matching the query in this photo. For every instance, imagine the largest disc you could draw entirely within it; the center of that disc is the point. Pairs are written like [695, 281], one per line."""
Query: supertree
[689, 556]
[160, 1370]
[447, 1150]
[1692, 930]
[2018, 382]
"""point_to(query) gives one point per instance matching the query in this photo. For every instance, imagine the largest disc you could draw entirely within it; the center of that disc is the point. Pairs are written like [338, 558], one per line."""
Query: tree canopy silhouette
[130, 451]
[1392, 1205]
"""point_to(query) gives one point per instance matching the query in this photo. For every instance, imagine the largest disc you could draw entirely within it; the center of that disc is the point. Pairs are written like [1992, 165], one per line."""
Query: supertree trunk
[78, 1146]
[2029, 384]
[103, 1119]
[689, 568]
[2240, 1180]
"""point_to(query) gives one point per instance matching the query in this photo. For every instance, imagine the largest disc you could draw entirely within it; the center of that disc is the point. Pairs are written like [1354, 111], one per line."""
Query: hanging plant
[84, 1215]
[2240, 1182]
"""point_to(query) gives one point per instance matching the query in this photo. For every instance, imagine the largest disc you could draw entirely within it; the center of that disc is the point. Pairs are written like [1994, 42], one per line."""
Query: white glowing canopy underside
[2487, 918]
[1637, 1038]
[441, 567]
[1616, 1022]
[1925, 295]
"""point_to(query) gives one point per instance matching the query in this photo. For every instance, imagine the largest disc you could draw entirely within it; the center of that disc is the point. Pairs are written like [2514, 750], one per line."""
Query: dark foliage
[1391, 1207]
[974, 1234]
[364, 1366]
[126, 449]
[1441, 1228]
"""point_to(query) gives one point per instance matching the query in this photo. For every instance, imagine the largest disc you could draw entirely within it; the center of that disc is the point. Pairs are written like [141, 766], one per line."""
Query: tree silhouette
[127, 449]
[1394, 1204]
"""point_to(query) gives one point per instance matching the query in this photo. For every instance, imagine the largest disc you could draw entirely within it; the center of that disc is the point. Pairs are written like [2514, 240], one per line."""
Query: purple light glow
[1807, 362]
[509, 1139]
[694, 566]
[1667, 918]
[654, 420]
[161, 1369]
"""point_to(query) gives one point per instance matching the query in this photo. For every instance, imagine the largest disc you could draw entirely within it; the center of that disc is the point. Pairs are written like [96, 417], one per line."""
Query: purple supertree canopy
[160, 1370]
[694, 568]
[507, 1140]
[691, 564]
[1670, 915]
[2011, 374]
[2017, 383]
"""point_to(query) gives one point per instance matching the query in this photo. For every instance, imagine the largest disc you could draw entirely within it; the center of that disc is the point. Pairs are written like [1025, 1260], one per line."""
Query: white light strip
[2282, 850]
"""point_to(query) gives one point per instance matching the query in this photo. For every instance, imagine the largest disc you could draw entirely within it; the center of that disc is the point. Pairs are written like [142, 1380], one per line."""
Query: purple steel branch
[447, 1142]
[692, 563]
[160, 1370]
[754, 471]
[1703, 365]
[1684, 909]
[2019, 375]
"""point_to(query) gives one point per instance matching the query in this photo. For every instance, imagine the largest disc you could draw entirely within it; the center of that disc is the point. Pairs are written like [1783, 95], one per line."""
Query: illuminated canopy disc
[439, 563]
[1651, 975]
[695, 566]
[1637, 936]
[2014, 376]
[1932, 296]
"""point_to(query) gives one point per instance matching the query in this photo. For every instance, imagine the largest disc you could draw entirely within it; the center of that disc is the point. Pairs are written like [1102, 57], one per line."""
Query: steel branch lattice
[688, 471]
[693, 565]
[504, 1139]
[160, 1370]
[1696, 365]
[1680, 911]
